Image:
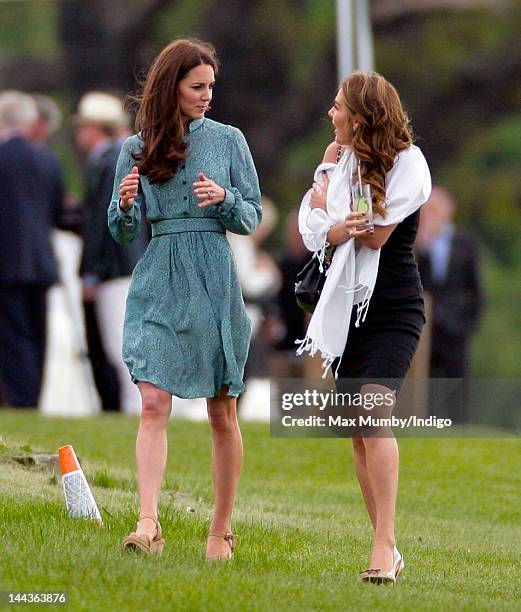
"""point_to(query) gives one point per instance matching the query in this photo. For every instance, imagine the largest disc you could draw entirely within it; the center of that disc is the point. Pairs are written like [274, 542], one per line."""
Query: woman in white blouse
[370, 314]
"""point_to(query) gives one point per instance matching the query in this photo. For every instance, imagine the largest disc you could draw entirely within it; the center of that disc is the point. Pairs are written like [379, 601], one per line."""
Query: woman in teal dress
[186, 331]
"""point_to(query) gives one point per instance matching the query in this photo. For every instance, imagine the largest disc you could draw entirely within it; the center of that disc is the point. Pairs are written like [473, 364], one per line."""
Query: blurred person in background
[106, 267]
[48, 120]
[31, 204]
[260, 281]
[42, 132]
[450, 270]
[292, 318]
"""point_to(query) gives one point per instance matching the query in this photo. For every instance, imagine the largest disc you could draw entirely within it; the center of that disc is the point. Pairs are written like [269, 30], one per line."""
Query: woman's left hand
[319, 194]
[208, 191]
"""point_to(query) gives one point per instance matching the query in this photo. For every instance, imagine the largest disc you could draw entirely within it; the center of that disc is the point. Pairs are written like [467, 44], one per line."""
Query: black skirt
[384, 344]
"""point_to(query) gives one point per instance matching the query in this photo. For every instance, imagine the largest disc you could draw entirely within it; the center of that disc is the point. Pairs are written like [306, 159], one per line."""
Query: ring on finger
[210, 193]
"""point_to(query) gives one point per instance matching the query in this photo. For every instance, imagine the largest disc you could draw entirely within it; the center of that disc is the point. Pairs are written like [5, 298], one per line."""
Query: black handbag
[310, 281]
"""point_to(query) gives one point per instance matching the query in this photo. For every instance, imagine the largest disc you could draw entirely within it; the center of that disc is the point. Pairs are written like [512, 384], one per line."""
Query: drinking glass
[361, 201]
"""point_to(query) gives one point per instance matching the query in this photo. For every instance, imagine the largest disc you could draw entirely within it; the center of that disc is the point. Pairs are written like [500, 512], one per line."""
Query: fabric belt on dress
[187, 224]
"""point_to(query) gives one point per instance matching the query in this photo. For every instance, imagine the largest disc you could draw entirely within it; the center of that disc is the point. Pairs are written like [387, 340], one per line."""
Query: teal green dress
[186, 329]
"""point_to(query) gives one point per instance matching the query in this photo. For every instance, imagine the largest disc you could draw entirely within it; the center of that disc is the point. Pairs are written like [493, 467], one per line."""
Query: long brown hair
[383, 128]
[158, 117]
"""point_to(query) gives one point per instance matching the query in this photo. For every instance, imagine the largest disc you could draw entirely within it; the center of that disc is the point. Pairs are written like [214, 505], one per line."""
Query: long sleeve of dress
[241, 210]
[124, 226]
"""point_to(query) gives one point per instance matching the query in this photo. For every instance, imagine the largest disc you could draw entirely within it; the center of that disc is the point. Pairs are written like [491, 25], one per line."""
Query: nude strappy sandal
[142, 542]
[227, 537]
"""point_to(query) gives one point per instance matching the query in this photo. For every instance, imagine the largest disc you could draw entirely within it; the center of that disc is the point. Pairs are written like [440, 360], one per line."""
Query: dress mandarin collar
[195, 124]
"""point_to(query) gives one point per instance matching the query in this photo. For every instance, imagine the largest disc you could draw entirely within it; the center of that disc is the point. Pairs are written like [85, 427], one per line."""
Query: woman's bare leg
[363, 478]
[227, 455]
[151, 451]
[381, 470]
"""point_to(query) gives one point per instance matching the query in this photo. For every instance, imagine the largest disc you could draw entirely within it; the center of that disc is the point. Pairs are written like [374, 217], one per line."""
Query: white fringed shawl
[352, 275]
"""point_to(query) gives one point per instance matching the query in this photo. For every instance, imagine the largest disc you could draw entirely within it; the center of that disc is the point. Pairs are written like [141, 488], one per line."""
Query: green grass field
[302, 531]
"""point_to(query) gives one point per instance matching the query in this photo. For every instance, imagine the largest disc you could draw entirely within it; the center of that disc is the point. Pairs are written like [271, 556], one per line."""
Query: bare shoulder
[330, 155]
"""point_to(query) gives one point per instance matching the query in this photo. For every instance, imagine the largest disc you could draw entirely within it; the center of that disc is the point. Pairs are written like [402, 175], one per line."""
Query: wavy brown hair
[158, 118]
[383, 128]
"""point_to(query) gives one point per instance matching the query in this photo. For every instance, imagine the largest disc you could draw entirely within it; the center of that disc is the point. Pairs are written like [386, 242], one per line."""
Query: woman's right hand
[128, 189]
[354, 225]
[346, 229]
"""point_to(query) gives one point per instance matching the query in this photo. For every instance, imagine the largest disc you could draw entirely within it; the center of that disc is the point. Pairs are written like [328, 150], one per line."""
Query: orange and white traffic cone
[78, 496]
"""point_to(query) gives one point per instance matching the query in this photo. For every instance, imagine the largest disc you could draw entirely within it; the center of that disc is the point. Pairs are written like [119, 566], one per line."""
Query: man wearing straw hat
[106, 266]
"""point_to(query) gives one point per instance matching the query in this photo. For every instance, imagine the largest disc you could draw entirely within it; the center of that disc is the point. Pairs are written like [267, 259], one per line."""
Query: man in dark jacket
[449, 264]
[31, 201]
[106, 266]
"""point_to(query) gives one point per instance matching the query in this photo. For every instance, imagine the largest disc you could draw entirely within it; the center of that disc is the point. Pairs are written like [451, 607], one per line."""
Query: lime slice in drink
[363, 205]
